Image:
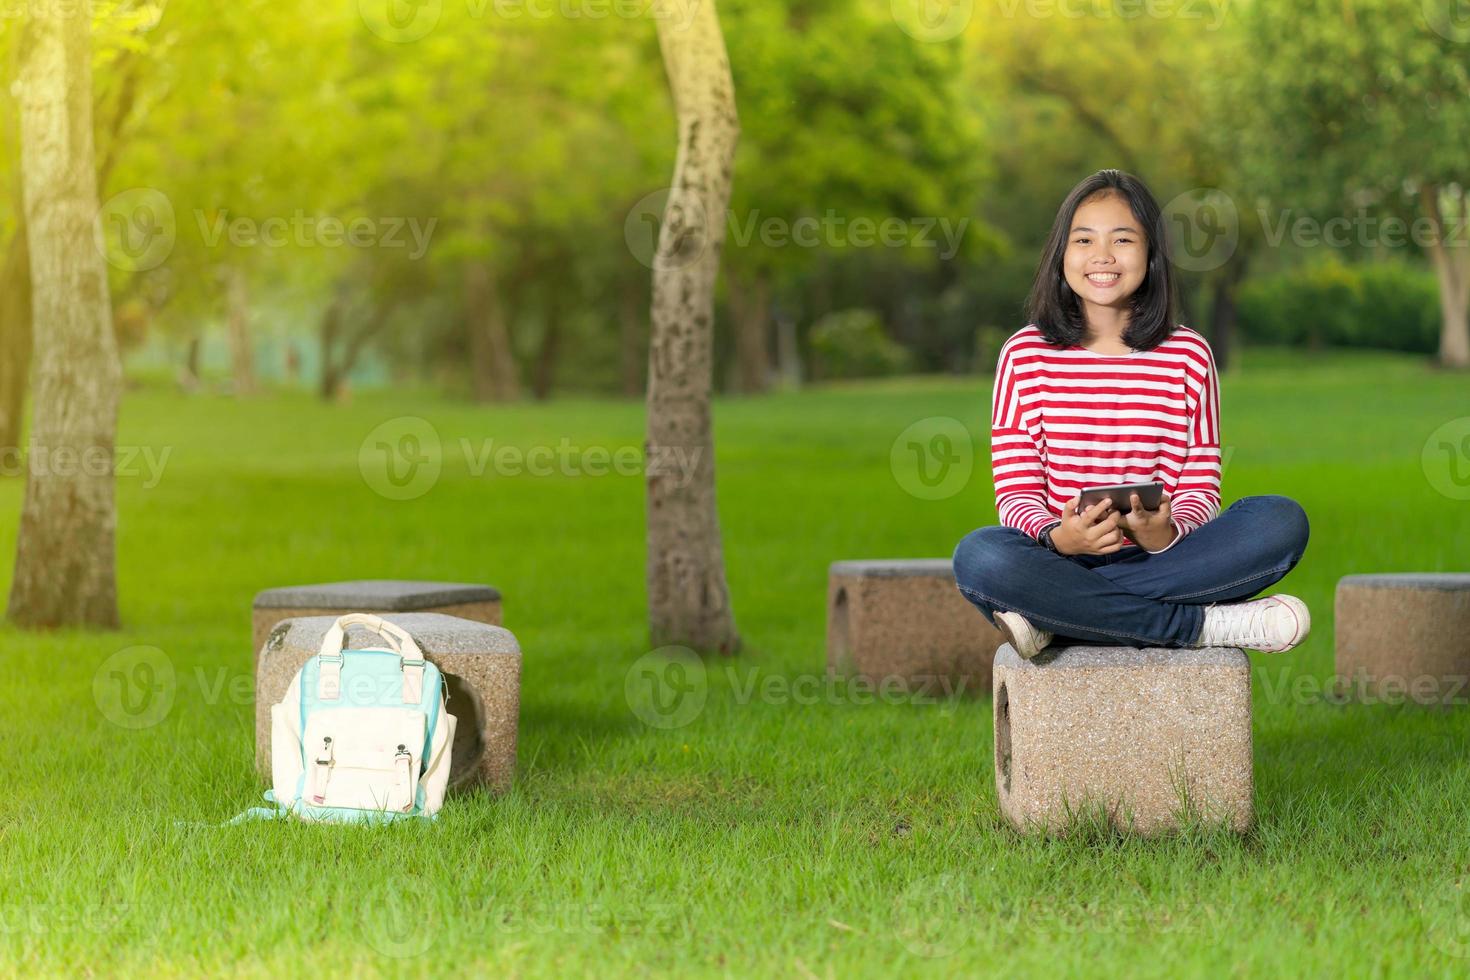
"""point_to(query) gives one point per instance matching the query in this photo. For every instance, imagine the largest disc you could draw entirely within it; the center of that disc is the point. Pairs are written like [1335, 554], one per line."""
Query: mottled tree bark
[1452, 269]
[15, 338]
[688, 599]
[65, 565]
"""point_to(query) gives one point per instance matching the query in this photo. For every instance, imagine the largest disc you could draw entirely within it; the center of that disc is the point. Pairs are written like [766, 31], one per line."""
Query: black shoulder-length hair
[1055, 308]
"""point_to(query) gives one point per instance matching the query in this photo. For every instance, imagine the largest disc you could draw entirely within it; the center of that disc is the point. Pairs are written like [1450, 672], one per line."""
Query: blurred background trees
[325, 197]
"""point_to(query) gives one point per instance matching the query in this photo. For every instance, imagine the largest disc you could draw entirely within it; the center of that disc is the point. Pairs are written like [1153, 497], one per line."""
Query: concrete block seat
[478, 602]
[1404, 635]
[1149, 735]
[906, 618]
[481, 664]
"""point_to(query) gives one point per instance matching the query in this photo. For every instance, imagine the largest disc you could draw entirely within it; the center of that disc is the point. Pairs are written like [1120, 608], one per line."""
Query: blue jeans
[1130, 597]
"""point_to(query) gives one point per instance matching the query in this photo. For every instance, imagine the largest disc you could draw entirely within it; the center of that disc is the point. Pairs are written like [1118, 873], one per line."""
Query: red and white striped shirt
[1062, 419]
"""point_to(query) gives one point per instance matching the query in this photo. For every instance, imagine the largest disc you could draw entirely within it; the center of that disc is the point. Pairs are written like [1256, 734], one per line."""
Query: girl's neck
[1105, 327]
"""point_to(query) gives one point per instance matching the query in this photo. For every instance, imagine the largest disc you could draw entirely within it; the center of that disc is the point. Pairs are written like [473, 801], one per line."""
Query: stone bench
[1404, 636]
[1133, 732]
[478, 602]
[906, 618]
[482, 673]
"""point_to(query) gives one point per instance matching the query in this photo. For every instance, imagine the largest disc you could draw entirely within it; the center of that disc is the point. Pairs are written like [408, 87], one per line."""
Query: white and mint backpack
[362, 735]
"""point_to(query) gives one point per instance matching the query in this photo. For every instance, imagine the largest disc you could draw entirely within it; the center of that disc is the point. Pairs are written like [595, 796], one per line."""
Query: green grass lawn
[766, 835]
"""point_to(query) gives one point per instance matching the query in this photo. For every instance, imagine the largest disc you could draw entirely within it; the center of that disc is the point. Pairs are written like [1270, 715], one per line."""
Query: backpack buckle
[403, 762]
[321, 771]
[329, 677]
[413, 680]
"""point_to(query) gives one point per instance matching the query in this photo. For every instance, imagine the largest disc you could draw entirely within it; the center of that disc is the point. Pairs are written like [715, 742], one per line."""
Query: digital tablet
[1151, 494]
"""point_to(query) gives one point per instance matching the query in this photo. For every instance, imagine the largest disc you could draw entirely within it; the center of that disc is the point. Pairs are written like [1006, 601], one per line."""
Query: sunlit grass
[767, 834]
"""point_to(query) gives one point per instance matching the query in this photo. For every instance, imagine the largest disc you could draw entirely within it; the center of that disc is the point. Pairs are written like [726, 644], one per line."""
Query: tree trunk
[631, 329]
[750, 316]
[242, 355]
[688, 599]
[189, 371]
[1452, 269]
[492, 362]
[788, 350]
[15, 338]
[545, 374]
[331, 327]
[1223, 310]
[65, 563]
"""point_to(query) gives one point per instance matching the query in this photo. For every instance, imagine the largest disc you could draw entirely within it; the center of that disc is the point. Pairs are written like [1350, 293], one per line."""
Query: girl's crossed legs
[1130, 597]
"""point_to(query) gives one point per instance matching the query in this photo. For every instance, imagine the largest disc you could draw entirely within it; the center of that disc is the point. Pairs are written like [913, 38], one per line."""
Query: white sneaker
[1274, 624]
[1026, 639]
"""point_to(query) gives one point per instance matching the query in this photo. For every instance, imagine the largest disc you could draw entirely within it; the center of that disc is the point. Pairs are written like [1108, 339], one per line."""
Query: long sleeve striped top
[1066, 418]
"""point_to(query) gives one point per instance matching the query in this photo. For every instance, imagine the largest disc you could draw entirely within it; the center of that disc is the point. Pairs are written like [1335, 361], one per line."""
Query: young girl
[1103, 388]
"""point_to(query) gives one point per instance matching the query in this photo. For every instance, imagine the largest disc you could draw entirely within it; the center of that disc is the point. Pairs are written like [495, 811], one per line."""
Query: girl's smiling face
[1107, 252]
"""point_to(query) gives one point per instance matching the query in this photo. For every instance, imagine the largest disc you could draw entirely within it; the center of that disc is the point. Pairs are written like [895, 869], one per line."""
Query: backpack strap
[329, 683]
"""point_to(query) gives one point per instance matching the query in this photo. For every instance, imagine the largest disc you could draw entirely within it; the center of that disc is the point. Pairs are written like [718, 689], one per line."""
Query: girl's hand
[1095, 531]
[1151, 530]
